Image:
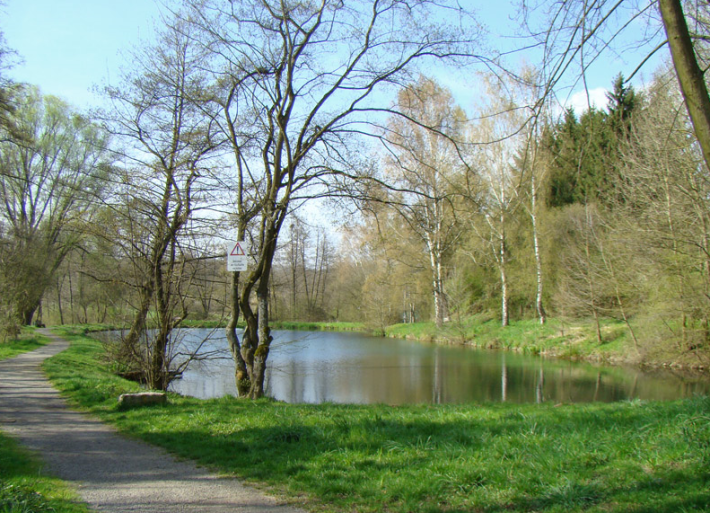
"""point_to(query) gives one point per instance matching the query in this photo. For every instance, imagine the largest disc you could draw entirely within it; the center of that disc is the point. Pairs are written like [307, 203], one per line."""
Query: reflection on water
[315, 367]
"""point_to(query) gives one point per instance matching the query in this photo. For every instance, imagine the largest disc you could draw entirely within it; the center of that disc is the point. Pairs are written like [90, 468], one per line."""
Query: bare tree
[299, 84]
[157, 116]
[11, 95]
[669, 215]
[304, 263]
[583, 289]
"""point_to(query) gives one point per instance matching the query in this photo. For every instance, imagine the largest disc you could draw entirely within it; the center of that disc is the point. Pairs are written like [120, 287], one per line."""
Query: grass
[623, 457]
[25, 489]
[555, 338]
[214, 324]
[206, 323]
[318, 326]
[28, 341]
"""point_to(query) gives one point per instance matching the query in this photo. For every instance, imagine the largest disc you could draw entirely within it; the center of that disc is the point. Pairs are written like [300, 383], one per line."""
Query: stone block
[142, 399]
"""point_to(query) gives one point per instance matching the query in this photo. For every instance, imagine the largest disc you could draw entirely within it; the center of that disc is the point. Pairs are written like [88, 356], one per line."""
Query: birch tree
[491, 191]
[425, 161]
[531, 119]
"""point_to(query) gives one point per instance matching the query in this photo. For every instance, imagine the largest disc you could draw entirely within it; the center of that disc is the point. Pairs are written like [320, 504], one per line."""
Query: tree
[533, 168]
[303, 268]
[577, 32]
[158, 116]
[424, 161]
[10, 93]
[491, 191]
[690, 76]
[579, 152]
[583, 290]
[667, 215]
[622, 104]
[584, 153]
[299, 84]
[49, 187]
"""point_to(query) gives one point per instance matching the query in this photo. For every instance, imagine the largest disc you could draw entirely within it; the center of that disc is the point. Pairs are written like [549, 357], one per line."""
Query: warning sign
[237, 258]
[238, 250]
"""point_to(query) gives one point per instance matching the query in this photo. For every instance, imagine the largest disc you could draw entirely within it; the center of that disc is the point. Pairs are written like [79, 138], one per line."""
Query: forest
[322, 134]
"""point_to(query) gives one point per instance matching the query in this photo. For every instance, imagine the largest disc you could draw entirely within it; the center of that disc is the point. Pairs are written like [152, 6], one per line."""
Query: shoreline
[556, 339]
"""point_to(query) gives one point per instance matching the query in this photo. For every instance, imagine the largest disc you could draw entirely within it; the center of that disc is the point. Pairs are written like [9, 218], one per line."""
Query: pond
[316, 367]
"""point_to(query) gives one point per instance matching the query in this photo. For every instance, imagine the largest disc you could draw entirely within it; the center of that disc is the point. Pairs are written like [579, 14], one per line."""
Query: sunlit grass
[25, 489]
[630, 456]
[319, 326]
[556, 337]
[29, 341]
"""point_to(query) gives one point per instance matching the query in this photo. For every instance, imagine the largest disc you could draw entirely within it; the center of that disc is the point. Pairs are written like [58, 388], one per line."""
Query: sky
[70, 47]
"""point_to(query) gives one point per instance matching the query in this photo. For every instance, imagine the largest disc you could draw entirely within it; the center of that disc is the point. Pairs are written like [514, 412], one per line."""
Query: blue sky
[70, 46]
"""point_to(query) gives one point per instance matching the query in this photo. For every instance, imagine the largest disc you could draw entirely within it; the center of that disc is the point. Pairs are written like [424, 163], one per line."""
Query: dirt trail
[111, 472]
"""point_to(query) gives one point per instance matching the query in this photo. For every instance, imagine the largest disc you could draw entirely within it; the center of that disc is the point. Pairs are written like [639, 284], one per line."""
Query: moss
[262, 351]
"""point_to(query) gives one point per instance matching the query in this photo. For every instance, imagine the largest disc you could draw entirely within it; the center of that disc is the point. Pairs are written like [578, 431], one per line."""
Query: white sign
[237, 257]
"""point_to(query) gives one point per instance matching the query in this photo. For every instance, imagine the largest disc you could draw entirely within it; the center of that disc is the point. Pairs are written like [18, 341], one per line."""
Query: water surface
[316, 367]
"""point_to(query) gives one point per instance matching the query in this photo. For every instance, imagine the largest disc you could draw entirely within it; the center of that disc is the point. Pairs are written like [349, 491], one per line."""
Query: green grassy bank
[319, 326]
[573, 340]
[24, 489]
[564, 339]
[284, 325]
[623, 457]
[29, 341]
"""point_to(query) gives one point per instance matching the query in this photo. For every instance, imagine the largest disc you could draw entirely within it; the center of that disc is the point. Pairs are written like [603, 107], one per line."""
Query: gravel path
[111, 472]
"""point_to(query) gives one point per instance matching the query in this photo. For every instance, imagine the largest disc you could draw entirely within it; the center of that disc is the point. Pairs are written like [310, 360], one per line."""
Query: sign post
[237, 258]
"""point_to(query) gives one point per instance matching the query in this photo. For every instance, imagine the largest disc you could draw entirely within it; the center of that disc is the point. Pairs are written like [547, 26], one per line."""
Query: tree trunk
[131, 341]
[589, 275]
[439, 305]
[437, 279]
[536, 245]
[157, 375]
[690, 76]
[597, 324]
[28, 313]
[241, 375]
[505, 315]
[59, 300]
[294, 274]
[262, 351]
[71, 296]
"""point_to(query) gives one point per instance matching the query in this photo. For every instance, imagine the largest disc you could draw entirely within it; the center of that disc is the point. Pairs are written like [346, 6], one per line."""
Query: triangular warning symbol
[237, 250]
